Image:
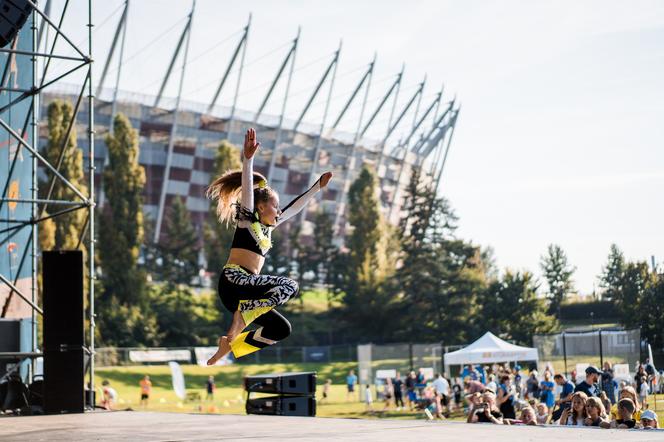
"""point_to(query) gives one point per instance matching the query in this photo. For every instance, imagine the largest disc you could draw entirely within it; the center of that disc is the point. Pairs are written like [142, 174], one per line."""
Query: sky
[560, 139]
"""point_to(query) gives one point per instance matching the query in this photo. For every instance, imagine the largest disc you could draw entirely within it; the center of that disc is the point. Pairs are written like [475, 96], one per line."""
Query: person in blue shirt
[546, 388]
[351, 380]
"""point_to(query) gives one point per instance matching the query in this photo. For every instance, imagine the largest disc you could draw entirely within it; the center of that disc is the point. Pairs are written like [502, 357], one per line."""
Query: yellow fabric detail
[250, 315]
[240, 347]
[236, 267]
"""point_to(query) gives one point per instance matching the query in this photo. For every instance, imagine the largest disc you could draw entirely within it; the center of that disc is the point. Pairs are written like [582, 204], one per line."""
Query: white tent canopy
[490, 348]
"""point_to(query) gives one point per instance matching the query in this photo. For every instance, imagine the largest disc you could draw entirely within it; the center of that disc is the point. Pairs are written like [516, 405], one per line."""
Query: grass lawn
[230, 396]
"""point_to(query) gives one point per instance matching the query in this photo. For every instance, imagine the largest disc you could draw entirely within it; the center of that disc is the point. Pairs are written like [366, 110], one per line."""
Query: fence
[593, 347]
[114, 356]
[400, 357]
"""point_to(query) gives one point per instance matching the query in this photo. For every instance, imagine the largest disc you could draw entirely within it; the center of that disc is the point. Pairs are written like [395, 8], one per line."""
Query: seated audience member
[486, 411]
[649, 420]
[576, 414]
[527, 417]
[596, 413]
[627, 392]
[542, 414]
[626, 409]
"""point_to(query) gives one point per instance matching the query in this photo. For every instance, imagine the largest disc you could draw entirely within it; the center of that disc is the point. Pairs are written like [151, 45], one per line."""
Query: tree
[322, 253]
[440, 276]
[510, 308]
[635, 280]
[558, 274]
[612, 273]
[121, 226]
[651, 311]
[369, 264]
[219, 236]
[69, 226]
[179, 248]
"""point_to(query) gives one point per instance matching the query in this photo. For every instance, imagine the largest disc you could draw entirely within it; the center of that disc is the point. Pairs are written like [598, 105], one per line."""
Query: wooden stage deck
[132, 426]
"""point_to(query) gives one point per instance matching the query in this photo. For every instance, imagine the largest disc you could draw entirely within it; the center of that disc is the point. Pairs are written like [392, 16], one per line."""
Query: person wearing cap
[589, 386]
[649, 420]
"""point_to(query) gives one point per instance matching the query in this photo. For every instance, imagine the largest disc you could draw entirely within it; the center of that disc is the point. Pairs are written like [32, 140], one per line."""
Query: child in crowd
[649, 420]
[626, 409]
[627, 392]
[326, 389]
[577, 414]
[368, 398]
[644, 391]
[542, 414]
[596, 413]
[109, 395]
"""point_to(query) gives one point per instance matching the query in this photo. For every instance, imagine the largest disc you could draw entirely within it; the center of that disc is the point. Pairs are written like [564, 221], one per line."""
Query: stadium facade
[200, 131]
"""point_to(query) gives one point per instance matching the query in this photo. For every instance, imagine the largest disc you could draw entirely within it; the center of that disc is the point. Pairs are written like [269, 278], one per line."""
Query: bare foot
[224, 349]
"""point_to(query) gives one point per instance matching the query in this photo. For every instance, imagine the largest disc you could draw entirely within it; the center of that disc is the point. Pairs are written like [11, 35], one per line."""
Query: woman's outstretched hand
[250, 144]
[325, 178]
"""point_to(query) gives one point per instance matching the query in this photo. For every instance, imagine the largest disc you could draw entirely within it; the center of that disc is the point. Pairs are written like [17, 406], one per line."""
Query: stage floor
[132, 426]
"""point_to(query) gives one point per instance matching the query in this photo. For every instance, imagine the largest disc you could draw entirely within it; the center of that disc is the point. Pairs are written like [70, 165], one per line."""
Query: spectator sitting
[542, 414]
[649, 420]
[576, 414]
[486, 411]
[589, 386]
[109, 395]
[596, 413]
[527, 417]
[627, 392]
[626, 419]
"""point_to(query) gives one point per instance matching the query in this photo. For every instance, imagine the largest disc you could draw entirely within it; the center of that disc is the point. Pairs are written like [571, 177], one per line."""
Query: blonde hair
[631, 392]
[225, 190]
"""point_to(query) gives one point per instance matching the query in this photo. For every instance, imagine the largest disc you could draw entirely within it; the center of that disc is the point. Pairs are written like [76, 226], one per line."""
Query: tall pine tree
[179, 247]
[612, 273]
[121, 227]
[558, 274]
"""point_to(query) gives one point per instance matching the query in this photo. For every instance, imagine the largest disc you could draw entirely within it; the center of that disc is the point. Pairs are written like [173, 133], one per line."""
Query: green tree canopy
[558, 274]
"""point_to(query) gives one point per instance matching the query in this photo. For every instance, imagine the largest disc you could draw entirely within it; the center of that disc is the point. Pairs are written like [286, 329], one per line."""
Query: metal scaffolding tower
[26, 139]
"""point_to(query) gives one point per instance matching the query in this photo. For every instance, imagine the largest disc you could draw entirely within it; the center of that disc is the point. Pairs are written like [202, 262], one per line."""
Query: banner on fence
[204, 353]
[159, 355]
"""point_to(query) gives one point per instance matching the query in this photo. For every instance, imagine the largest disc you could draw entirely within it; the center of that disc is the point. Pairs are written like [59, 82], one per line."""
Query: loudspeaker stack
[295, 394]
[64, 369]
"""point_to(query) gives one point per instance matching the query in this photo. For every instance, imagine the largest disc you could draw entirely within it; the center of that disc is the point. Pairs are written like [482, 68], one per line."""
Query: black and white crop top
[250, 233]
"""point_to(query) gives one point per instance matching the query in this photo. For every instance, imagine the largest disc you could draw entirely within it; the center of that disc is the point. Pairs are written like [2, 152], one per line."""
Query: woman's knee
[282, 329]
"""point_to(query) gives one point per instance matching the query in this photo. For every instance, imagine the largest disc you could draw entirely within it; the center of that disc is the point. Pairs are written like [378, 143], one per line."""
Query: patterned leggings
[256, 297]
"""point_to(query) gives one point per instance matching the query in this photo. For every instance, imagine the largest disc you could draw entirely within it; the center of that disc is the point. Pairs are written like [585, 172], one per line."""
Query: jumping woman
[248, 295]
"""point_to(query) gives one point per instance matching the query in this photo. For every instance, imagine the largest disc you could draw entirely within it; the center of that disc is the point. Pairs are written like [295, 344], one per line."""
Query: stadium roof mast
[83, 59]
[186, 33]
[447, 148]
[404, 144]
[390, 130]
[332, 67]
[277, 138]
[121, 28]
[350, 162]
[242, 45]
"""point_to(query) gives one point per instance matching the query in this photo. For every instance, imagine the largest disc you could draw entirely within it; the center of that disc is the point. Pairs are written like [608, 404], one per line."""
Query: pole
[91, 210]
[239, 80]
[34, 192]
[601, 352]
[564, 353]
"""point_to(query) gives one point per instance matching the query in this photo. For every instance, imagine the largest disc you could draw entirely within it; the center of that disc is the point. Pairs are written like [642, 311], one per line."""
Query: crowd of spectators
[506, 395]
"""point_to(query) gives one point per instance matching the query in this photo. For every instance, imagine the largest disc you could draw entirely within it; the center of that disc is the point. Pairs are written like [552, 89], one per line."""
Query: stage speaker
[283, 405]
[63, 381]
[13, 14]
[64, 367]
[62, 273]
[282, 383]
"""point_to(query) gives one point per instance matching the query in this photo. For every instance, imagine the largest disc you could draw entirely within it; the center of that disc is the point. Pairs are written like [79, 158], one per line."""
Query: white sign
[178, 380]
[205, 353]
[159, 355]
[581, 372]
[427, 372]
[621, 371]
[384, 374]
